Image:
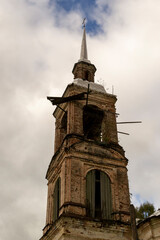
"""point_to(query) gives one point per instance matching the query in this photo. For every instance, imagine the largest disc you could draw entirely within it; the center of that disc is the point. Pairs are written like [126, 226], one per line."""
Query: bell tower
[88, 193]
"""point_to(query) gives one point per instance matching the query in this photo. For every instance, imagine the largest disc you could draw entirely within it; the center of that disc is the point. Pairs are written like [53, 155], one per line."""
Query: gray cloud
[132, 66]
[37, 57]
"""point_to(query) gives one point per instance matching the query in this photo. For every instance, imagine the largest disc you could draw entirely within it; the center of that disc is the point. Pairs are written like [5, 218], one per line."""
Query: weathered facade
[88, 193]
[149, 228]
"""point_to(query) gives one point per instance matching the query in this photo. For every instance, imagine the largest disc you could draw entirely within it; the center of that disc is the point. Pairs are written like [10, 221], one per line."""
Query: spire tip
[84, 55]
[84, 23]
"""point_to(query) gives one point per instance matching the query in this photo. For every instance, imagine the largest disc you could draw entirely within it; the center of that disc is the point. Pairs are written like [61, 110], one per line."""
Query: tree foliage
[144, 210]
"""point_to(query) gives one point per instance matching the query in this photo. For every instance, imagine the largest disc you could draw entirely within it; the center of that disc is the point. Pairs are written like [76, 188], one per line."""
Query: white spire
[84, 55]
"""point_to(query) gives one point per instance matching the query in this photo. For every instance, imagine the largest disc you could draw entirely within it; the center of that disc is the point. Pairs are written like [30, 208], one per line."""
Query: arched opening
[86, 76]
[98, 195]
[64, 123]
[63, 127]
[92, 122]
[56, 199]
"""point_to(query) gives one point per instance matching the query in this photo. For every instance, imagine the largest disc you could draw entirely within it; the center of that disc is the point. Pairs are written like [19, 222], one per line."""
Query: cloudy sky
[39, 44]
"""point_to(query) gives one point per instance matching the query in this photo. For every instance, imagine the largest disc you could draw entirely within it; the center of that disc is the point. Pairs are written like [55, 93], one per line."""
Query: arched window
[86, 75]
[98, 195]
[63, 127]
[64, 123]
[92, 122]
[56, 199]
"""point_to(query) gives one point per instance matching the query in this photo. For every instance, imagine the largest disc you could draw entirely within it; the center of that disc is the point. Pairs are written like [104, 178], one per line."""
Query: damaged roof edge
[84, 84]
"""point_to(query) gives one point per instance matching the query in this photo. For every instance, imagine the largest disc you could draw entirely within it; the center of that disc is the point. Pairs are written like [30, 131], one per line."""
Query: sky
[39, 43]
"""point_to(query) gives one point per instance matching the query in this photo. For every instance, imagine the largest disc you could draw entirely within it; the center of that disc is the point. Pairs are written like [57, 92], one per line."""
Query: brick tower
[88, 193]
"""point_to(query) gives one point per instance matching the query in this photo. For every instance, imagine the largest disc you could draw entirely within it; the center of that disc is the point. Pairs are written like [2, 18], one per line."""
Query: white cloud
[132, 60]
[37, 57]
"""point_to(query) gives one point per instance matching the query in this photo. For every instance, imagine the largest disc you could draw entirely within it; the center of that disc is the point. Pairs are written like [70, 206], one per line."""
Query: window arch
[56, 199]
[92, 122]
[98, 195]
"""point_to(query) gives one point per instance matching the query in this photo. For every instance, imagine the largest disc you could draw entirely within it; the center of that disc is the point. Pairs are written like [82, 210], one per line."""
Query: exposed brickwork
[104, 102]
[84, 70]
[86, 156]
[71, 228]
[76, 155]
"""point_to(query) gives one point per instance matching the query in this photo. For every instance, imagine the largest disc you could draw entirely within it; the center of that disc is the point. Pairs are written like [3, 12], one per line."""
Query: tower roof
[83, 69]
[84, 54]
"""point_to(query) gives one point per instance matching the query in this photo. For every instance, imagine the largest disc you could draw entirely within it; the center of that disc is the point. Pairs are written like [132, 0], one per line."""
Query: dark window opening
[64, 122]
[86, 75]
[98, 195]
[92, 122]
[56, 199]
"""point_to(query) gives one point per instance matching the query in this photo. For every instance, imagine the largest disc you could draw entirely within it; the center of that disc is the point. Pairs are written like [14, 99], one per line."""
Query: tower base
[75, 228]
